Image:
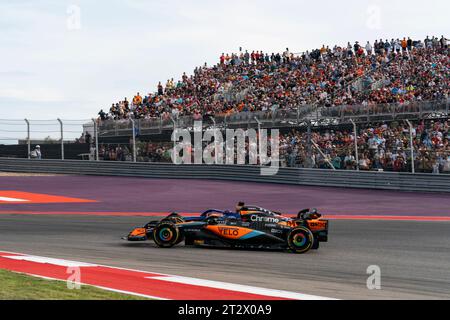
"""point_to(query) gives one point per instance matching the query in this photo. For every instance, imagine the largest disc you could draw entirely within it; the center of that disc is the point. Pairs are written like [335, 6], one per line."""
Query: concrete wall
[293, 176]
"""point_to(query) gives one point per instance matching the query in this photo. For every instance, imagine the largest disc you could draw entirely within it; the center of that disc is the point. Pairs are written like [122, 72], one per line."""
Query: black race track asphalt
[414, 257]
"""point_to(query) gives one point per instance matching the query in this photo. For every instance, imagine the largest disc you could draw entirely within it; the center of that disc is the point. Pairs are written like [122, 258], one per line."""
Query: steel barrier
[291, 176]
[280, 118]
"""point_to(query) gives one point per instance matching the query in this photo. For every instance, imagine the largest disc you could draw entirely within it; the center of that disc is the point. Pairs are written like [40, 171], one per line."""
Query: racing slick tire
[180, 239]
[316, 244]
[166, 235]
[300, 240]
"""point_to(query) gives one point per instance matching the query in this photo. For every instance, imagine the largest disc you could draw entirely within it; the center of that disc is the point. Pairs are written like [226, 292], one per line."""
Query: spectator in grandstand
[364, 162]
[137, 101]
[160, 89]
[350, 161]
[443, 42]
[87, 138]
[369, 48]
[103, 116]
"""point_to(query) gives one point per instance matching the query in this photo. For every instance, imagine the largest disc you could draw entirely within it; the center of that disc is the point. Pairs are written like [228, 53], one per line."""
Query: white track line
[7, 199]
[240, 288]
[56, 262]
[171, 278]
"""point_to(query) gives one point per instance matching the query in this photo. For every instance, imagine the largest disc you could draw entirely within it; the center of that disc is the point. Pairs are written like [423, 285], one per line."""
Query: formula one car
[250, 227]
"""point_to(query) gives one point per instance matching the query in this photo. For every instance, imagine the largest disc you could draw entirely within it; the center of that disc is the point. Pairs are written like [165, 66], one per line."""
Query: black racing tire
[316, 244]
[180, 239]
[300, 240]
[166, 235]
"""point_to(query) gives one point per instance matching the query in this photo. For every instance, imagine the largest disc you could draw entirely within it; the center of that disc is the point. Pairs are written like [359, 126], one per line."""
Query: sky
[69, 59]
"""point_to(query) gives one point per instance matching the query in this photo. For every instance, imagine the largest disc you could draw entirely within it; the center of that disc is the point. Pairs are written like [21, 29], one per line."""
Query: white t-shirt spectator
[363, 163]
[349, 159]
[446, 167]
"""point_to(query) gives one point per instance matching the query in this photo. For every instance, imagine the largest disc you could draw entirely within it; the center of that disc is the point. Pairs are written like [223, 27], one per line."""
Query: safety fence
[310, 152]
[59, 138]
[290, 176]
[385, 112]
[125, 140]
[72, 151]
[276, 118]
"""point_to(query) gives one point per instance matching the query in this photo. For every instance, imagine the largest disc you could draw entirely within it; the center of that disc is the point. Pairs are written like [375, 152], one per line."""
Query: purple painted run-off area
[116, 194]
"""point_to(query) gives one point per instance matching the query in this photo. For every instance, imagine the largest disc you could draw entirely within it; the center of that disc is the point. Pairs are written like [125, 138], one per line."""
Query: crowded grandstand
[396, 71]
[388, 76]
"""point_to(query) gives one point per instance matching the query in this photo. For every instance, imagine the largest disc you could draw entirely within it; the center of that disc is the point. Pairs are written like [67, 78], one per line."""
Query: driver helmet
[240, 206]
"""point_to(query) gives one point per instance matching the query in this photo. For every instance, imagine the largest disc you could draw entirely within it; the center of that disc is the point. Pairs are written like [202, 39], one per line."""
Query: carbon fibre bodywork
[253, 227]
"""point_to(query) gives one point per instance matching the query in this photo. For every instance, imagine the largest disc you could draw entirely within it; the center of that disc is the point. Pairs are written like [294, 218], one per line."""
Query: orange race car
[248, 227]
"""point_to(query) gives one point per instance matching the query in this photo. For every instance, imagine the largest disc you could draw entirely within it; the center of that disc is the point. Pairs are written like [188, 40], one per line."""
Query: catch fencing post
[96, 139]
[355, 133]
[309, 146]
[174, 123]
[62, 138]
[259, 124]
[174, 136]
[134, 139]
[28, 138]
[413, 168]
[214, 122]
[259, 139]
[215, 139]
[323, 155]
